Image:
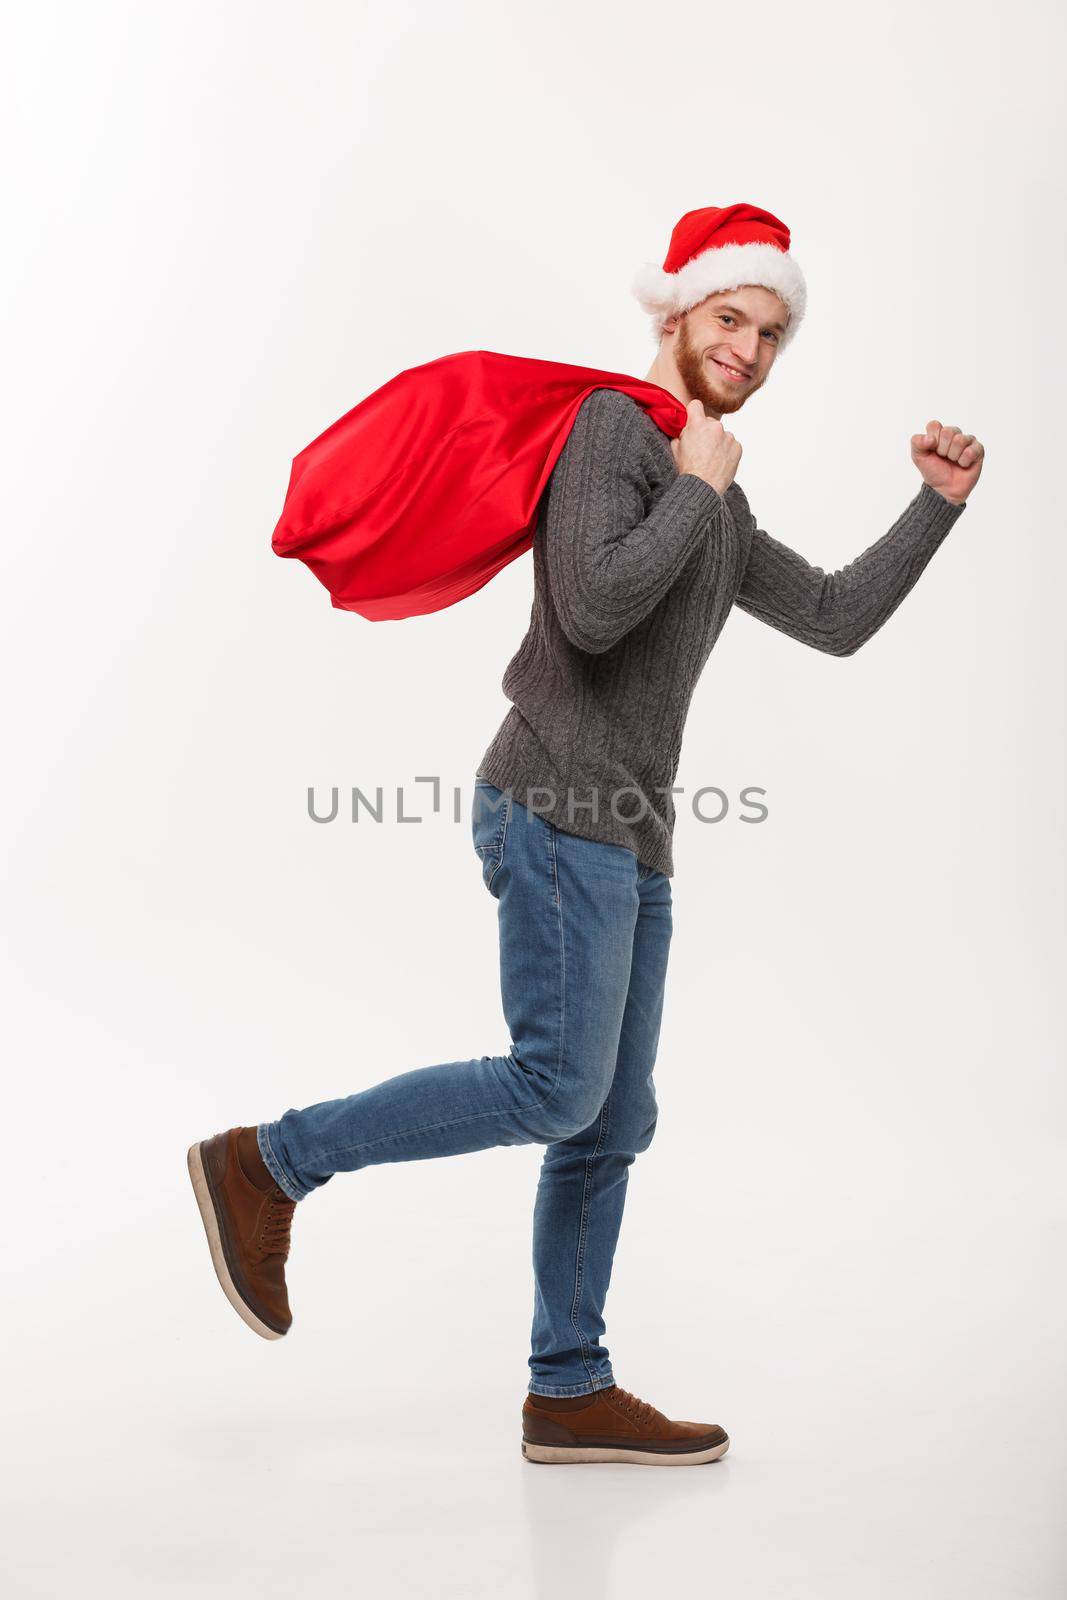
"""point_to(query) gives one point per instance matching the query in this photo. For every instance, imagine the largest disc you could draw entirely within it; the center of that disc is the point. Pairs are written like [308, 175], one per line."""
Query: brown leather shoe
[246, 1218]
[614, 1425]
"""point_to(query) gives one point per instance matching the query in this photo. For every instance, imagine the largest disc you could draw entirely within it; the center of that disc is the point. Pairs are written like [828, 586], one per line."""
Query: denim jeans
[585, 930]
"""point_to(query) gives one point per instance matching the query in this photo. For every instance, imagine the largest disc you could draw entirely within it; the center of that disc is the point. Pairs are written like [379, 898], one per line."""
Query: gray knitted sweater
[636, 568]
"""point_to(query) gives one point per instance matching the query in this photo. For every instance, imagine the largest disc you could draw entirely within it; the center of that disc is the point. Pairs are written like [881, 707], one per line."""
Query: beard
[701, 378]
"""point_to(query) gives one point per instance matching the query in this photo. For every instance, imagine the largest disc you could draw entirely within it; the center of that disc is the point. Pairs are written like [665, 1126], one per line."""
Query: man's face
[739, 329]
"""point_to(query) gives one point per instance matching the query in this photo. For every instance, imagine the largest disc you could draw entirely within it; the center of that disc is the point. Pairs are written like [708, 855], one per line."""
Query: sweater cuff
[942, 512]
[699, 493]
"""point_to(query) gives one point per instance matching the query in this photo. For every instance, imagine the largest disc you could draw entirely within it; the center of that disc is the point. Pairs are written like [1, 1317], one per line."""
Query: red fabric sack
[421, 493]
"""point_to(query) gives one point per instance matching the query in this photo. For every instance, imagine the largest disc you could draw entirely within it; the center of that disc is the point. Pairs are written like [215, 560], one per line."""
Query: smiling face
[724, 348]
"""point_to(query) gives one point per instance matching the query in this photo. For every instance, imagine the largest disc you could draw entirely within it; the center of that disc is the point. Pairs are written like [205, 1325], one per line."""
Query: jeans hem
[270, 1161]
[567, 1390]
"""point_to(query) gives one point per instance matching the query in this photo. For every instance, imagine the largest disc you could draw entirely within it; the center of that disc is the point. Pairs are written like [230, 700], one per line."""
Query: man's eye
[724, 316]
[773, 335]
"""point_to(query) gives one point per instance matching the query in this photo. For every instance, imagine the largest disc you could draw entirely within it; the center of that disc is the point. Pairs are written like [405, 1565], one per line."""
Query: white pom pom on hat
[718, 248]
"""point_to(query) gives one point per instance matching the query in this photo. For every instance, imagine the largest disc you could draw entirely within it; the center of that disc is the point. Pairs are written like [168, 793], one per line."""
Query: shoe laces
[274, 1236]
[639, 1409]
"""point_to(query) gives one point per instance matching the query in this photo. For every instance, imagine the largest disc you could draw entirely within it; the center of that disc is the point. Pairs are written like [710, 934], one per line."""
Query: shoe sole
[209, 1216]
[558, 1454]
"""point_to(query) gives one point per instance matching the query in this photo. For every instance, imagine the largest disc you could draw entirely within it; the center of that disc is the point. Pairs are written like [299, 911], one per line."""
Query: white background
[228, 223]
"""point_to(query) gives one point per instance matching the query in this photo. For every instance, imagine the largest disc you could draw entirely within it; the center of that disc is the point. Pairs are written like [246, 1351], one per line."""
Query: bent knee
[568, 1101]
[564, 1116]
[555, 1129]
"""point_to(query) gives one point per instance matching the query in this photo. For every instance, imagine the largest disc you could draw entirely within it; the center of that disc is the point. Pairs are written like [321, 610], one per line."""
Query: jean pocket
[489, 825]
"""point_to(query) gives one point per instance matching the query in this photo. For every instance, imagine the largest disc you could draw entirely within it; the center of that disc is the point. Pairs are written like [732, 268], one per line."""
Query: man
[643, 546]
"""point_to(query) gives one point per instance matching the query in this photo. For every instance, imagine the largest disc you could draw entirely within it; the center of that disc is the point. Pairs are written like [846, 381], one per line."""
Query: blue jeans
[585, 930]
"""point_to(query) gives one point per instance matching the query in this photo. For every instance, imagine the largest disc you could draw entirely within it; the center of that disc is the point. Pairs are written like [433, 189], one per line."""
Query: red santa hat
[718, 248]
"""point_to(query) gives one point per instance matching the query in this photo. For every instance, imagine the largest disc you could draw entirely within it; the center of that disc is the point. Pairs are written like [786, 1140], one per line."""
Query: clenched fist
[950, 461]
[705, 449]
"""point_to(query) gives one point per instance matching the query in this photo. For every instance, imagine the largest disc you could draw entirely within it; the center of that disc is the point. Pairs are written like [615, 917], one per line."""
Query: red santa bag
[421, 493]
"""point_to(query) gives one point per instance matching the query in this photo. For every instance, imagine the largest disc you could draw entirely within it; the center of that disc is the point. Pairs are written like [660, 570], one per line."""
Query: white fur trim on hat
[730, 266]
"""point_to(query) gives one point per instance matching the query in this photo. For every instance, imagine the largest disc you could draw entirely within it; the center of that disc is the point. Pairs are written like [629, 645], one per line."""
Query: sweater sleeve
[839, 611]
[610, 557]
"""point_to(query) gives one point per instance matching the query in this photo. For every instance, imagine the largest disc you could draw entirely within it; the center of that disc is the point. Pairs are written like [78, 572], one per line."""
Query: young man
[643, 547]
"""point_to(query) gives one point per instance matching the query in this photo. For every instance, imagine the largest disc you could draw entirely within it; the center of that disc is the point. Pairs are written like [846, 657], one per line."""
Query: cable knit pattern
[636, 569]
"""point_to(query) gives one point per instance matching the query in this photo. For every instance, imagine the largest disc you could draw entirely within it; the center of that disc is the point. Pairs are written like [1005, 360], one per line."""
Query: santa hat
[718, 248]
